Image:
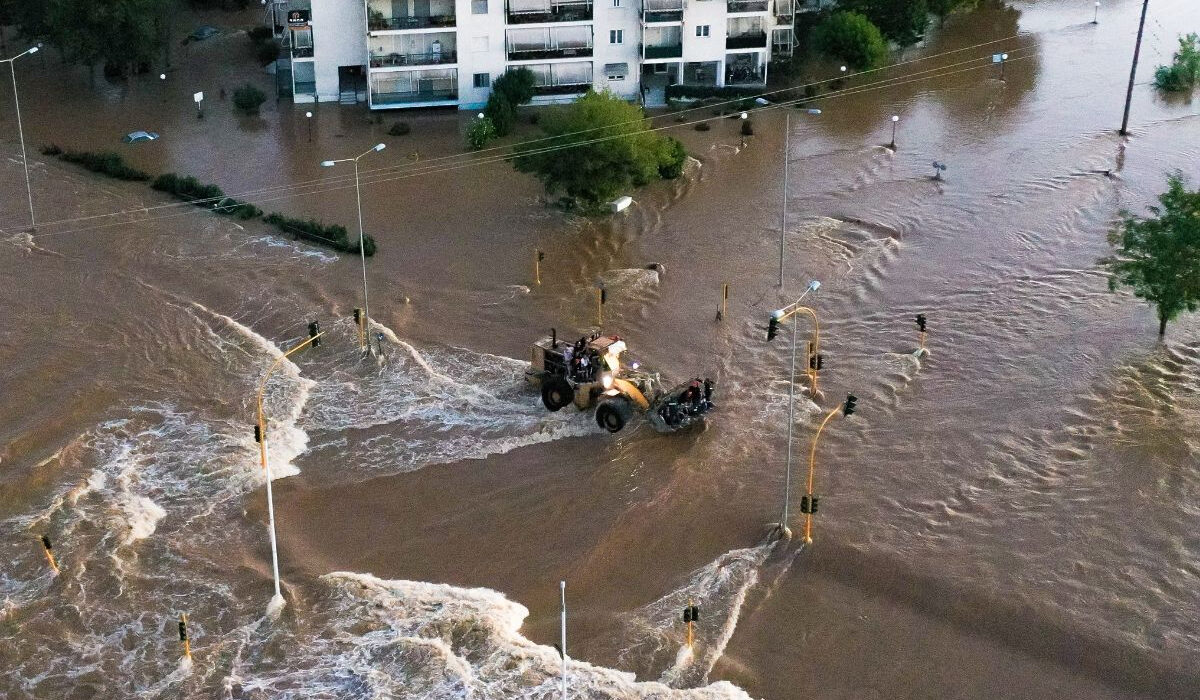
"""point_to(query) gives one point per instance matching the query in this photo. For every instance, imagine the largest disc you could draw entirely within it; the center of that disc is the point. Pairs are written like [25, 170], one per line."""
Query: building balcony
[302, 52]
[747, 5]
[663, 51]
[383, 24]
[749, 40]
[539, 11]
[429, 58]
[399, 88]
[662, 11]
[784, 9]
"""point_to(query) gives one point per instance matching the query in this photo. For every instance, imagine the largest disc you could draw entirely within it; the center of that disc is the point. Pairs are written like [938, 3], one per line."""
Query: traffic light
[848, 407]
[921, 322]
[603, 295]
[816, 361]
[772, 328]
[258, 433]
[541, 256]
[357, 316]
[816, 500]
[691, 613]
[314, 330]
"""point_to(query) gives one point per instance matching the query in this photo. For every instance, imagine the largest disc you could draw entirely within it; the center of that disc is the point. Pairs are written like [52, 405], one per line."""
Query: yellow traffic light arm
[812, 465]
[812, 371]
[262, 387]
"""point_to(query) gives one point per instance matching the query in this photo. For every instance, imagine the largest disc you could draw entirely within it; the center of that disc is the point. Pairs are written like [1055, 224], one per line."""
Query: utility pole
[1137, 49]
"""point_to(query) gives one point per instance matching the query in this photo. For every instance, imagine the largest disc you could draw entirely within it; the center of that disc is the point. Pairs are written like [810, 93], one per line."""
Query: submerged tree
[597, 148]
[1159, 257]
[1184, 71]
[851, 37]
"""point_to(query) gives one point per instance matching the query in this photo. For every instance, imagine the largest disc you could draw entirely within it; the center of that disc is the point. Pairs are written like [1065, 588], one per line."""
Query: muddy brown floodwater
[1011, 516]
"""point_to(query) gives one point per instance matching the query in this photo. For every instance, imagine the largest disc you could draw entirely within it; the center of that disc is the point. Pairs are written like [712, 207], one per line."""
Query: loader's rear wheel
[556, 393]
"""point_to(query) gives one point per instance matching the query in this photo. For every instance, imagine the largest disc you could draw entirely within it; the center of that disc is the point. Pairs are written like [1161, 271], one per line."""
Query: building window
[479, 7]
[615, 77]
[483, 80]
[616, 36]
[616, 3]
[479, 44]
[702, 30]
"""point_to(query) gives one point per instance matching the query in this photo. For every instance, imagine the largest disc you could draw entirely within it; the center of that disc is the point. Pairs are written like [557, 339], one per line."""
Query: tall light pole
[308, 118]
[361, 247]
[1096, 19]
[21, 131]
[1137, 50]
[260, 435]
[787, 147]
[776, 317]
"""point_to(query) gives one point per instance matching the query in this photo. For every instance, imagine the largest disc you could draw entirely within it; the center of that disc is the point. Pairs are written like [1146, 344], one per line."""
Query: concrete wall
[339, 28]
[628, 19]
[480, 50]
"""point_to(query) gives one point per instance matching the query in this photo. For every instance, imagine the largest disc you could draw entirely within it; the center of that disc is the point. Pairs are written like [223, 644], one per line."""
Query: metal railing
[747, 5]
[562, 88]
[430, 58]
[662, 10]
[573, 11]
[748, 40]
[664, 51]
[379, 24]
[527, 54]
[430, 95]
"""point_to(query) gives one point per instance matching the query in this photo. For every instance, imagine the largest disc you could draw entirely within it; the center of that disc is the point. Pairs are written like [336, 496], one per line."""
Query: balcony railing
[662, 11]
[557, 12]
[306, 88]
[747, 5]
[561, 89]
[302, 52]
[396, 98]
[744, 77]
[784, 8]
[531, 53]
[664, 51]
[379, 24]
[431, 58]
[749, 40]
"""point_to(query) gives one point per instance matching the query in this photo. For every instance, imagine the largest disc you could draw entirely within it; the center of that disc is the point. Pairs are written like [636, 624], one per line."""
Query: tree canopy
[902, 21]
[851, 37]
[1184, 71]
[614, 153]
[1159, 257]
[116, 33]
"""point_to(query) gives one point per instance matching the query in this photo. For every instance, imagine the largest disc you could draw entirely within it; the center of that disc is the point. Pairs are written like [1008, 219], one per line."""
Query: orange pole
[49, 554]
[812, 371]
[690, 625]
[187, 640]
[812, 465]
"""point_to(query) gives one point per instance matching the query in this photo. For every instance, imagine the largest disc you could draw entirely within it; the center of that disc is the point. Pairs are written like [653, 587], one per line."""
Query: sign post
[198, 98]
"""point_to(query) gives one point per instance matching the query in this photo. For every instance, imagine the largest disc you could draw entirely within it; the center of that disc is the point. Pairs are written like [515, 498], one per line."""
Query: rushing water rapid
[1011, 515]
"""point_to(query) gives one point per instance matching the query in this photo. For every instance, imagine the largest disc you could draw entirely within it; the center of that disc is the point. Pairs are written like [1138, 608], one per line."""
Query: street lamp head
[843, 69]
[34, 49]
[308, 114]
[1004, 57]
[895, 117]
[162, 76]
[745, 116]
[328, 163]
[379, 147]
[777, 314]
[814, 286]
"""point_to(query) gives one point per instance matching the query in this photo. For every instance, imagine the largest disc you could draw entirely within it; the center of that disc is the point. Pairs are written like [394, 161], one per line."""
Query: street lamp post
[776, 317]
[787, 143]
[361, 247]
[744, 117]
[308, 118]
[21, 130]
[260, 433]
[895, 120]
[1096, 19]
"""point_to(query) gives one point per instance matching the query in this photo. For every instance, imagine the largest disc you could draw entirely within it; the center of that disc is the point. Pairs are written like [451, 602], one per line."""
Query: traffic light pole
[277, 601]
[812, 465]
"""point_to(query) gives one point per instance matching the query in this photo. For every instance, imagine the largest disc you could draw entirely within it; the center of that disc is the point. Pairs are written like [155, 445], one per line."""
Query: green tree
[118, 34]
[1184, 71]
[942, 8]
[516, 86]
[610, 150]
[1159, 257]
[902, 21]
[851, 37]
[501, 112]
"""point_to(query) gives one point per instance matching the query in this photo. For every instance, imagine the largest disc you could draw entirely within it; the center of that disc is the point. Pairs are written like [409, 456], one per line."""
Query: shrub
[260, 33]
[109, 164]
[480, 133]
[266, 51]
[747, 128]
[51, 150]
[333, 235]
[516, 86]
[242, 210]
[673, 158]
[399, 129]
[851, 37]
[502, 113]
[703, 126]
[248, 98]
[189, 189]
[1184, 71]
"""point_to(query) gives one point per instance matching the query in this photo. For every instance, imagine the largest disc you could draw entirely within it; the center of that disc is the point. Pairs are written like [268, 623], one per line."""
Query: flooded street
[1012, 515]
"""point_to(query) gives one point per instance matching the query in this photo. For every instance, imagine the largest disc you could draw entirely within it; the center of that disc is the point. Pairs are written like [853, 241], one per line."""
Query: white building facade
[431, 53]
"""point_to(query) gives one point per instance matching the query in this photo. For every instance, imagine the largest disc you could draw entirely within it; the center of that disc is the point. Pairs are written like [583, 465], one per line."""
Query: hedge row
[677, 91]
[211, 197]
[105, 163]
[333, 235]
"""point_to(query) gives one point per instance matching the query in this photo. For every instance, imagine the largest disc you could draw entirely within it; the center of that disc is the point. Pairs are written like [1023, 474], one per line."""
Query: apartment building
[431, 53]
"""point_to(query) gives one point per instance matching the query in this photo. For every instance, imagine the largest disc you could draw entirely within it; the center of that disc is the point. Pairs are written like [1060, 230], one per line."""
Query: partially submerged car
[590, 374]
